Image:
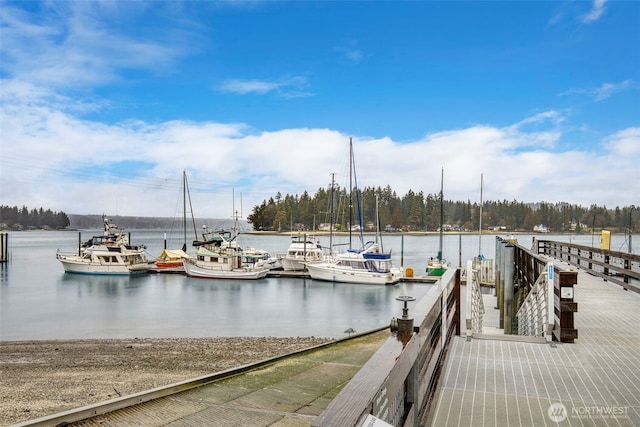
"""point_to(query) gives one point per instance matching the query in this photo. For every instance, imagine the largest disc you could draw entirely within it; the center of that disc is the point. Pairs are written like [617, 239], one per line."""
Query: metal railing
[475, 303]
[535, 316]
[398, 382]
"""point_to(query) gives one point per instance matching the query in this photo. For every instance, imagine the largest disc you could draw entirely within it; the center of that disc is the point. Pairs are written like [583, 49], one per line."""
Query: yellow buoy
[408, 272]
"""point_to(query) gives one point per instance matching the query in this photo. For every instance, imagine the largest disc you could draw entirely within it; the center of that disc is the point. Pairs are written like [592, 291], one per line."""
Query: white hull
[293, 264]
[75, 264]
[329, 272]
[222, 271]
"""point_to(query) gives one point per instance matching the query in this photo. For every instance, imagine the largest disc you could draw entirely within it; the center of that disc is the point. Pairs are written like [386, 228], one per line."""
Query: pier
[556, 344]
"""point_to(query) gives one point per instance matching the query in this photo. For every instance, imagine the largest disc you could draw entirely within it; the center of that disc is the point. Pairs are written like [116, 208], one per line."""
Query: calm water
[38, 300]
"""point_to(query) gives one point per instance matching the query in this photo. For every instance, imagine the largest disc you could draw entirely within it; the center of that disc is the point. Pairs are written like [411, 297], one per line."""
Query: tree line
[12, 217]
[420, 212]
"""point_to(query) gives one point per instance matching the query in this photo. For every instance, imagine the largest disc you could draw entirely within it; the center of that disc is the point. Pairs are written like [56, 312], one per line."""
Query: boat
[437, 266]
[302, 249]
[219, 256]
[170, 260]
[110, 253]
[367, 265]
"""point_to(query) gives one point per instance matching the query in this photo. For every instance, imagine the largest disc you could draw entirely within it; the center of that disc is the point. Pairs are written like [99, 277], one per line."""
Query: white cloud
[53, 159]
[287, 87]
[350, 51]
[604, 91]
[77, 44]
[597, 9]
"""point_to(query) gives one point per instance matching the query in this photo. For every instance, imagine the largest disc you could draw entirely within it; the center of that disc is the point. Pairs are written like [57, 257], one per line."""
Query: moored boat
[302, 250]
[219, 256]
[437, 266]
[368, 266]
[110, 253]
[222, 264]
[170, 260]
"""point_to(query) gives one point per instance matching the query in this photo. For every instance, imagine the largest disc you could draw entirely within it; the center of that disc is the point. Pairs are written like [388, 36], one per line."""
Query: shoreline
[40, 378]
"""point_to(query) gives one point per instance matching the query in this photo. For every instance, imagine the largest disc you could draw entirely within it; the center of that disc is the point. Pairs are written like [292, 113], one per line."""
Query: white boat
[219, 256]
[110, 253]
[302, 250]
[368, 266]
[222, 264]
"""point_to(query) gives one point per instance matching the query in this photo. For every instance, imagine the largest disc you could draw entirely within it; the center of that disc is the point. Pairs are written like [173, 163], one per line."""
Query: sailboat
[437, 266]
[368, 264]
[170, 260]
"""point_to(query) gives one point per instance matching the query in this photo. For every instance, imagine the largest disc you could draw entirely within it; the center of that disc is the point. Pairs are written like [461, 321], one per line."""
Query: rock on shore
[39, 378]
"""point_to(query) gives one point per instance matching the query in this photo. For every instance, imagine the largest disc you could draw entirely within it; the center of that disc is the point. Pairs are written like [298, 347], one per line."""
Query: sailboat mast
[441, 213]
[480, 223]
[331, 222]
[350, 190]
[184, 209]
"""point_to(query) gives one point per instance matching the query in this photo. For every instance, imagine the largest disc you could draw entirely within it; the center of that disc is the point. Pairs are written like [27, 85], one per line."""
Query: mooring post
[4, 247]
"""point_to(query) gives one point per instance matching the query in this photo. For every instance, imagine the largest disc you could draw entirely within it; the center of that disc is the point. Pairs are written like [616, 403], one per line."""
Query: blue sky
[105, 103]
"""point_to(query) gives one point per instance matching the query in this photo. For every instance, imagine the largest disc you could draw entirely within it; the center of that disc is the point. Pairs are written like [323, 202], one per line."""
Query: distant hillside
[151, 223]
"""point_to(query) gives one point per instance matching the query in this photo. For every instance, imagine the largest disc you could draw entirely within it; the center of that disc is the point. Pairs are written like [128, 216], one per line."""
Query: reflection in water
[109, 285]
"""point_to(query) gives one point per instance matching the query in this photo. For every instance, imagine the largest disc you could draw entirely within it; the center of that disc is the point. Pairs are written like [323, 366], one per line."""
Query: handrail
[617, 267]
[534, 318]
[398, 383]
[475, 303]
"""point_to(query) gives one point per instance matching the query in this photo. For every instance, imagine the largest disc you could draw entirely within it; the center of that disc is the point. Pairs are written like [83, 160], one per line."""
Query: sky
[104, 104]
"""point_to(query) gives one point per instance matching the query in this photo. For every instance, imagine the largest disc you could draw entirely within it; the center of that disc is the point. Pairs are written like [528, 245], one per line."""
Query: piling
[4, 247]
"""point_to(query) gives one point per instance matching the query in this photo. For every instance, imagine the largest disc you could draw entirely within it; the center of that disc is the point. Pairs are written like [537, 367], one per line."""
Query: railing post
[508, 289]
[551, 298]
[564, 306]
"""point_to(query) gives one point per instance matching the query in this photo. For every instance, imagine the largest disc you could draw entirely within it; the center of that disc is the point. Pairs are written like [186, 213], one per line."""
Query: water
[39, 301]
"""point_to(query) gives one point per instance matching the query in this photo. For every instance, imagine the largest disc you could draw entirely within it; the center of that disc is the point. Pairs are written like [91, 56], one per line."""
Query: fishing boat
[368, 264]
[170, 260]
[302, 249]
[110, 253]
[438, 265]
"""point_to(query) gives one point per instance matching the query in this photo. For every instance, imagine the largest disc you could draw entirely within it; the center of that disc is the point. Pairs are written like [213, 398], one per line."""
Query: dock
[494, 380]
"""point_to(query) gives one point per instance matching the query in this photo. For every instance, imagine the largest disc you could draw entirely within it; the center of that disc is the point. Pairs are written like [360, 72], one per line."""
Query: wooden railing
[398, 382]
[617, 267]
[517, 270]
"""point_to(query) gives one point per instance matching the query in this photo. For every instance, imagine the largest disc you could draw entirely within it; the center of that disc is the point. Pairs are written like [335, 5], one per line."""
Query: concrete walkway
[289, 393]
[593, 382]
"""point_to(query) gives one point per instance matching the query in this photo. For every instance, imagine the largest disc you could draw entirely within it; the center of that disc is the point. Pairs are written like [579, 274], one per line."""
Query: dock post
[564, 329]
[4, 247]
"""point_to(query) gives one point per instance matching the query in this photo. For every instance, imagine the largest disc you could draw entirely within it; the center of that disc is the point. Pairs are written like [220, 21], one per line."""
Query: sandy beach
[39, 378]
